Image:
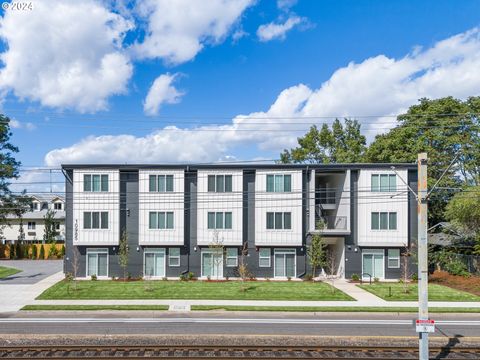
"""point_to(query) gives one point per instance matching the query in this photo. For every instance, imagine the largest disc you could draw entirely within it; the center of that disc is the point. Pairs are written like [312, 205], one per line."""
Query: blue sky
[77, 79]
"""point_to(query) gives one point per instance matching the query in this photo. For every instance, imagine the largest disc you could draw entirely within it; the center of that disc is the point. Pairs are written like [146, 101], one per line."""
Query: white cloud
[274, 30]
[285, 5]
[16, 124]
[65, 54]
[177, 30]
[161, 92]
[377, 86]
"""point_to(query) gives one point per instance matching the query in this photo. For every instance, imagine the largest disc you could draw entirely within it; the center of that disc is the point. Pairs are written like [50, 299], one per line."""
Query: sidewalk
[14, 296]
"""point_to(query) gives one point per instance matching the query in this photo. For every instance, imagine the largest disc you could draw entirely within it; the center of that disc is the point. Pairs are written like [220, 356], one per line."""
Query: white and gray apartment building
[172, 214]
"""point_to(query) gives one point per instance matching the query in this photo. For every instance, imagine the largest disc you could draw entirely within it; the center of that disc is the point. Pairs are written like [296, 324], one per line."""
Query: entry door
[154, 263]
[212, 265]
[373, 264]
[284, 265]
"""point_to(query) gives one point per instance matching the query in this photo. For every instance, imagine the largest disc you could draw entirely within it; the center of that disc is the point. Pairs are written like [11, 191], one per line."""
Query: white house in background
[34, 219]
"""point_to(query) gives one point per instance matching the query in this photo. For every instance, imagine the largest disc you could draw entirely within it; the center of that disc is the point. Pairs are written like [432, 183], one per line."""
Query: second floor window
[35, 206]
[219, 220]
[279, 183]
[220, 183]
[384, 182]
[31, 225]
[384, 221]
[95, 183]
[279, 220]
[57, 206]
[160, 183]
[95, 220]
[161, 220]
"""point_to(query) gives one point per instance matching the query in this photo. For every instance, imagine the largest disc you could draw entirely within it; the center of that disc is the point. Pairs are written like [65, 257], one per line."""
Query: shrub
[42, 252]
[289, 278]
[93, 277]
[308, 277]
[457, 267]
[18, 250]
[164, 278]
[376, 280]
[183, 277]
[414, 277]
[52, 251]
[62, 251]
[34, 252]
[190, 275]
[355, 277]
[25, 251]
[11, 249]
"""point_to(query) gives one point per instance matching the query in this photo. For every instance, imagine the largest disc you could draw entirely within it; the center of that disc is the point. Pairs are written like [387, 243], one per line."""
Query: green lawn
[395, 292]
[7, 271]
[331, 309]
[231, 290]
[93, 307]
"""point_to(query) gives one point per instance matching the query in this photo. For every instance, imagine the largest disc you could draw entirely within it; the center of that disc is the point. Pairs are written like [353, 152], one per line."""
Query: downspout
[305, 225]
[189, 245]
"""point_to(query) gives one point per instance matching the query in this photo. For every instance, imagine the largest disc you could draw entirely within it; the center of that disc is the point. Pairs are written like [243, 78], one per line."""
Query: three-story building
[207, 219]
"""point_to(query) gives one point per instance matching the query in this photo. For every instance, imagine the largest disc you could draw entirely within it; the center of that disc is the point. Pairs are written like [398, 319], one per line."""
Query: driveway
[33, 271]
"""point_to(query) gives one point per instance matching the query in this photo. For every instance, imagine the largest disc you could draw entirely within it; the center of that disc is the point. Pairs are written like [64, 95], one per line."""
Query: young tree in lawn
[75, 265]
[217, 249]
[123, 253]
[243, 270]
[331, 264]
[316, 252]
[405, 268]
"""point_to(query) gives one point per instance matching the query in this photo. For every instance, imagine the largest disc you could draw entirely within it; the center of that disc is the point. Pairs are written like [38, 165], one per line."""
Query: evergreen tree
[123, 253]
[49, 223]
[42, 252]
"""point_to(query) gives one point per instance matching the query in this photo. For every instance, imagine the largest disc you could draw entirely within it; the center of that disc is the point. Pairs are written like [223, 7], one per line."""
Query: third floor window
[95, 183]
[279, 220]
[220, 183]
[160, 183]
[279, 183]
[384, 182]
[219, 220]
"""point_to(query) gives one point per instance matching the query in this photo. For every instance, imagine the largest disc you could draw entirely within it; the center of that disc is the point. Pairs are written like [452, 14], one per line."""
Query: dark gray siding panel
[194, 259]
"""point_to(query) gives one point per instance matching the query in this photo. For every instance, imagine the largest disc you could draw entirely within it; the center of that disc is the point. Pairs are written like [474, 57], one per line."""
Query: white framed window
[219, 220]
[393, 261]
[35, 206]
[154, 262]
[31, 225]
[384, 182]
[264, 257]
[279, 183]
[160, 183]
[279, 220]
[57, 226]
[285, 263]
[174, 257]
[219, 183]
[384, 221]
[57, 206]
[95, 182]
[160, 220]
[232, 257]
[97, 262]
[95, 220]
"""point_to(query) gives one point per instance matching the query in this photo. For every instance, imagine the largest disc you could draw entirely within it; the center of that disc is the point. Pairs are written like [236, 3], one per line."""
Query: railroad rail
[231, 352]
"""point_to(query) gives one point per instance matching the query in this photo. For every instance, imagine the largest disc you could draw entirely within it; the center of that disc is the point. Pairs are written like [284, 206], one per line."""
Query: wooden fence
[27, 249]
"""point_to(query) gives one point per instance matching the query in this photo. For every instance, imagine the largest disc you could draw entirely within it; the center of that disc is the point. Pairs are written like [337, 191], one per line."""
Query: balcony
[327, 223]
[326, 198]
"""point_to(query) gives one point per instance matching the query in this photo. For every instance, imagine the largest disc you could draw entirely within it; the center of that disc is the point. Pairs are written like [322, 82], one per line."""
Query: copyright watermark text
[17, 6]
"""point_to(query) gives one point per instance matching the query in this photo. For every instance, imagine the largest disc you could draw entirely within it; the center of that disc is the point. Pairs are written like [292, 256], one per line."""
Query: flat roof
[193, 166]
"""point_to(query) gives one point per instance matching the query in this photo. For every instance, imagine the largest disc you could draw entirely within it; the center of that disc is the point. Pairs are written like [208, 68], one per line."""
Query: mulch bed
[469, 284]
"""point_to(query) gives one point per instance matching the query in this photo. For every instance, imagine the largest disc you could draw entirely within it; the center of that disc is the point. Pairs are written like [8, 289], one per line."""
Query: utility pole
[422, 199]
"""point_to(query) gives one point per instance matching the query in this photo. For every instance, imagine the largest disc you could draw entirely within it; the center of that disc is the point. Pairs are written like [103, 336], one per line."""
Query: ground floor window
[232, 257]
[264, 257]
[97, 262]
[285, 263]
[212, 263]
[393, 258]
[174, 257]
[373, 263]
[154, 263]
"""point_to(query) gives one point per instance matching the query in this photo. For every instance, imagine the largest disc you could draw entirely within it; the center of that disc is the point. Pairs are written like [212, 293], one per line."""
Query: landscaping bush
[42, 252]
[308, 277]
[191, 276]
[18, 250]
[62, 251]
[457, 267]
[376, 280]
[25, 251]
[414, 277]
[11, 249]
[53, 252]
[34, 252]
[183, 277]
[355, 277]
[93, 277]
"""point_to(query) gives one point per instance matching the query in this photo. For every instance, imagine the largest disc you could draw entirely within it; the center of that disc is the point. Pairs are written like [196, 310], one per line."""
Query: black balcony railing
[325, 196]
[331, 223]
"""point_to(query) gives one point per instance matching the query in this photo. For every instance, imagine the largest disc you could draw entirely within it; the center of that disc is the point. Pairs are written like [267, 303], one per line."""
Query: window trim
[269, 257]
[379, 182]
[31, 225]
[156, 183]
[174, 257]
[229, 256]
[213, 182]
[396, 258]
[157, 217]
[224, 222]
[97, 251]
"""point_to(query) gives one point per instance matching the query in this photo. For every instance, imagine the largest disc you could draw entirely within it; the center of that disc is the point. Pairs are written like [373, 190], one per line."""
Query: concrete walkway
[14, 296]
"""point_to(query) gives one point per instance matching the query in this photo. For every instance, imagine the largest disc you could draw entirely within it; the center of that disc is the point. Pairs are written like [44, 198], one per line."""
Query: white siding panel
[278, 202]
[369, 202]
[96, 201]
[161, 201]
[220, 202]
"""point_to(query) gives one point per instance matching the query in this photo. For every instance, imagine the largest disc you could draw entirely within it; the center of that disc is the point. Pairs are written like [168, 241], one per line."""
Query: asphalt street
[451, 325]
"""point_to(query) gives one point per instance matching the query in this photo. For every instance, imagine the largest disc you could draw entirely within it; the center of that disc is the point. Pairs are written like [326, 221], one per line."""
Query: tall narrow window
[287, 220]
[375, 183]
[228, 220]
[264, 257]
[279, 220]
[87, 182]
[383, 221]
[211, 183]
[161, 183]
[104, 220]
[220, 183]
[219, 220]
[152, 220]
[392, 221]
[211, 220]
[96, 183]
[270, 220]
[232, 257]
[152, 183]
[270, 183]
[174, 257]
[228, 183]
[169, 183]
[104, 185]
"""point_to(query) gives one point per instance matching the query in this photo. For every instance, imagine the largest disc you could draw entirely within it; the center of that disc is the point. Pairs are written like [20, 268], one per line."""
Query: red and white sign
[425, 326]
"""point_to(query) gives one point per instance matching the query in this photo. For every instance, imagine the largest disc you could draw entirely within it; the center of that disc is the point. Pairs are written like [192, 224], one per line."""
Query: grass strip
[7, 271]
[331, 309]
[93, 307]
